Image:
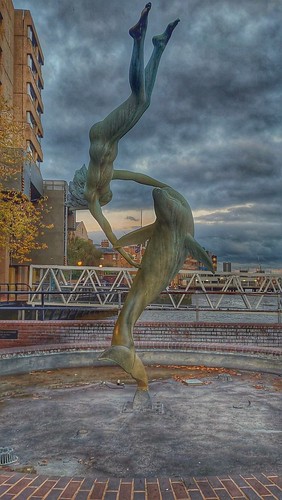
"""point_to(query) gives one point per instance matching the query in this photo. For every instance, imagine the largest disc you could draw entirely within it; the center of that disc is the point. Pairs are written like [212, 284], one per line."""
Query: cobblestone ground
[252, 486]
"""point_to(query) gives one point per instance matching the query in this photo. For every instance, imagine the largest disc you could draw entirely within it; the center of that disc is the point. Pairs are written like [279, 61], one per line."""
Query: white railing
[103, 288]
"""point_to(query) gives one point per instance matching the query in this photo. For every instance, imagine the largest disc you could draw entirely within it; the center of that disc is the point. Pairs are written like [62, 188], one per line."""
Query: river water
[234, 311]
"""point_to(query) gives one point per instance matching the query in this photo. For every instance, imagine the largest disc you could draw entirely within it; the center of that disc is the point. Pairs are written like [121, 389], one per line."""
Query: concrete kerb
[48, 359]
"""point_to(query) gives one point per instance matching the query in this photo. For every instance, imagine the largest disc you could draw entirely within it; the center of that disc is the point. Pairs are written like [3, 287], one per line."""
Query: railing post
[119, 300]
[42, 305]
[197, 308]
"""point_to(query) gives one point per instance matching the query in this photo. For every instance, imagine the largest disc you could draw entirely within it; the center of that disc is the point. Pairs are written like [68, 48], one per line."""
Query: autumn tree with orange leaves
[21, 221]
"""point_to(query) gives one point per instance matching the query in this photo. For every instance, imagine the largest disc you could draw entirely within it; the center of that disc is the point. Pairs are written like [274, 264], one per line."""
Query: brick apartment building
[21, 78]
[21, 83]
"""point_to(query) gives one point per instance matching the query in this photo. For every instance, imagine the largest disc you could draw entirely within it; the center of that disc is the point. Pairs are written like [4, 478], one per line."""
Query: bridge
[96, 288]
[67, 291]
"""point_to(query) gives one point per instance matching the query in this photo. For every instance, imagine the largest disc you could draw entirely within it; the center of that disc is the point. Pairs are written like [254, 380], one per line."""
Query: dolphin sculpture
[170, 240]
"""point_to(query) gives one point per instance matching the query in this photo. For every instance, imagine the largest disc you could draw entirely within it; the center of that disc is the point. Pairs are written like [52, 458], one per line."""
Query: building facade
[56, 214]
[112, 258]
[21, 80]
[78, 231]
[7, 49]
[21, 84]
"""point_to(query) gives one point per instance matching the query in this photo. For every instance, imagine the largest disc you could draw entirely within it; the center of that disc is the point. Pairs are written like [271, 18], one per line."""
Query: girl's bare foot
[140, 28]
[161, 40]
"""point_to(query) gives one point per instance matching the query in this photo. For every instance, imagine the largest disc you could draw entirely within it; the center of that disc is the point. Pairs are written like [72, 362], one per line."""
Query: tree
[20, 219]
[83, 251]
[11, 143]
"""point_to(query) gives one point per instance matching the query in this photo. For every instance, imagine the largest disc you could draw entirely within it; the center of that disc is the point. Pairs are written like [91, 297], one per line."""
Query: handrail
[44, 300]
[17, 284]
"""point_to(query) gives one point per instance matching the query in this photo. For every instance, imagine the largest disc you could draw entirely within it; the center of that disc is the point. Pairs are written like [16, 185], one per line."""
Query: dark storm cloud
[131, 218]
[213, 129]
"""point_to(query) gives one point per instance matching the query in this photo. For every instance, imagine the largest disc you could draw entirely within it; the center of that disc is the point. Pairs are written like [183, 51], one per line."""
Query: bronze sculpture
[105, 135]
[170, 240]
[173, 230]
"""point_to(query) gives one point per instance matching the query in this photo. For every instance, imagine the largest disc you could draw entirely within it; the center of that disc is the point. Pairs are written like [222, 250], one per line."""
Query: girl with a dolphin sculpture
[170, 237]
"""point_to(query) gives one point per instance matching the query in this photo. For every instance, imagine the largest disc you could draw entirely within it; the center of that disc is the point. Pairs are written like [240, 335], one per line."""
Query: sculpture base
[142, 403]
[142, 400]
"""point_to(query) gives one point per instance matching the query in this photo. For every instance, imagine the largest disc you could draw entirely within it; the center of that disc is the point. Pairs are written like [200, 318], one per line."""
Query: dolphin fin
[198, 252]
[137, 236]
[130, 362]
[121, 355]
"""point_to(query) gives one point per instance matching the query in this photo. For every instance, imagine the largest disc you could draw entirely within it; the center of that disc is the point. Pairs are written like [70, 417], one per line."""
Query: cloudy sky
[213, 130]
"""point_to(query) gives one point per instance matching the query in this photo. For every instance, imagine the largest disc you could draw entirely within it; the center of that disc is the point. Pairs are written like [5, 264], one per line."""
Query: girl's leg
[128, 114]
[159, 42]
[136, 69]
[124, 117]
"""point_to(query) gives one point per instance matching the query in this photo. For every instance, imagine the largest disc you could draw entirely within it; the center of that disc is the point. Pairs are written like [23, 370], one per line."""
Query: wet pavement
[205, 422]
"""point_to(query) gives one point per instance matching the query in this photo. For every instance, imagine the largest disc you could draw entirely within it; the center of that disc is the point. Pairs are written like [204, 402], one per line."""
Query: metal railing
[197, 293]
[48, 304]
[17, 287]
[106, 287]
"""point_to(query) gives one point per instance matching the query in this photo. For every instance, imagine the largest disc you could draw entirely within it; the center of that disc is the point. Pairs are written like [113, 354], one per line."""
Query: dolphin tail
[198, 252]
[130, 362]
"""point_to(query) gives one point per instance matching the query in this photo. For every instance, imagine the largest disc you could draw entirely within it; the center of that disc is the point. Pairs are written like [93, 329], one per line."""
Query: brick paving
[250, 486]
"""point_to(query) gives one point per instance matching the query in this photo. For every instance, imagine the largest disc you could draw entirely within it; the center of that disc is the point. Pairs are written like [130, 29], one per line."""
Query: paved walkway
[252, 486]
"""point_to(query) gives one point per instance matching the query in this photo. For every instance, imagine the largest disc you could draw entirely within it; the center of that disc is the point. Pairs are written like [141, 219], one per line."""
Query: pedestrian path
[14, 485]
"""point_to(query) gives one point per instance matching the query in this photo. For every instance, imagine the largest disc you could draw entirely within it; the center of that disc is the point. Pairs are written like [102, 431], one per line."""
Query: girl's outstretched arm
[137, 177]
[96, 211]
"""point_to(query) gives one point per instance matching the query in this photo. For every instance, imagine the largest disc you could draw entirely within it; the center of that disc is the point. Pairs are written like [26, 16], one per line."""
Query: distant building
[226, 267]
[58, 215]
[112, 258]
[105, 243]
[79, 231]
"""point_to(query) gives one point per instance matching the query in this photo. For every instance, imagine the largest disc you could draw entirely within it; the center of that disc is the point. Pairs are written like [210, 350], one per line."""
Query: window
[39, 110]
[30, 147]
[39, 137]
[55, 185]
[31, 64]
[30, 119]
[40, 60]
[31, 36]
[31, 92]
[39, 83]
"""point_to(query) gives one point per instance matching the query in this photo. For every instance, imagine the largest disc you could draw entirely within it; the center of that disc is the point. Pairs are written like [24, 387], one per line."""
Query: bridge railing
[107, 287]
[48, 304]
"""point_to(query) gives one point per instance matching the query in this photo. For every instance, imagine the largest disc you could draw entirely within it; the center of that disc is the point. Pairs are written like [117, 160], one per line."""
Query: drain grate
[7, 456]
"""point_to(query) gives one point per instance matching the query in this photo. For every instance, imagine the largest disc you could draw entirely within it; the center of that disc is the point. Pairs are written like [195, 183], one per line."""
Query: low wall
[26, 362]
[27, 333]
